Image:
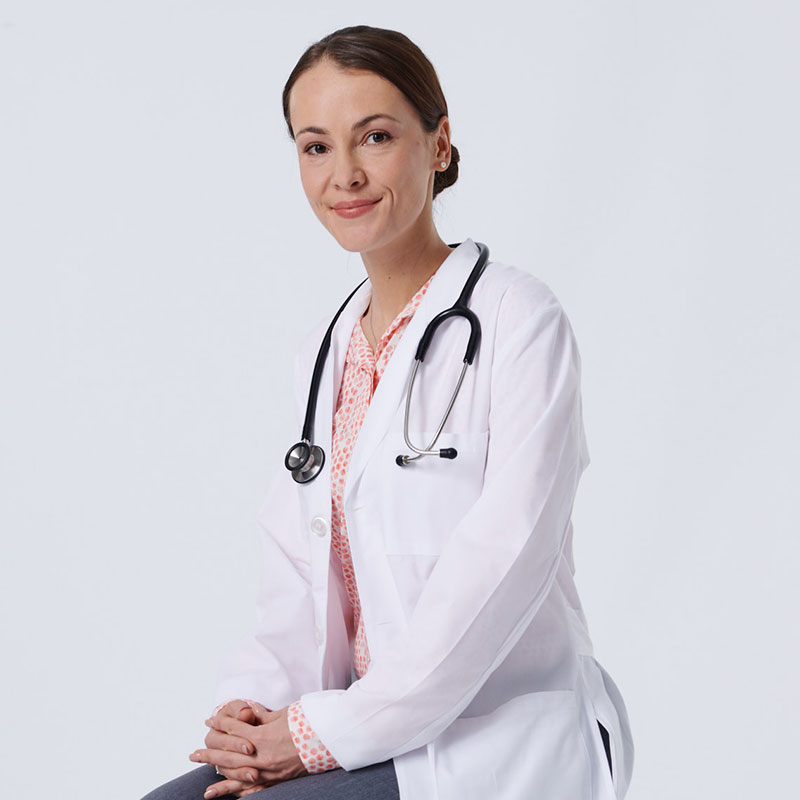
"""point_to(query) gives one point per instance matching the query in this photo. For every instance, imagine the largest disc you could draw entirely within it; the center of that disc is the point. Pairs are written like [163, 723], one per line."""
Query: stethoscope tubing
[447, 452]
[319, 366]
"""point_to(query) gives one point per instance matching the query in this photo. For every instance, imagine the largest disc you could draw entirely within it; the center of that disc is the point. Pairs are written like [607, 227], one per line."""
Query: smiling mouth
[355, 209]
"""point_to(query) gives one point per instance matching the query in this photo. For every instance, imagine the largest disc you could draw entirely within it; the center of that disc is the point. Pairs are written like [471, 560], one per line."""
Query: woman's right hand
[236, 709]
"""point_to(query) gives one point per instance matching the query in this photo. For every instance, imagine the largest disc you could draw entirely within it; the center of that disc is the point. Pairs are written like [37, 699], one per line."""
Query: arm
[501, 559]
[277, 661]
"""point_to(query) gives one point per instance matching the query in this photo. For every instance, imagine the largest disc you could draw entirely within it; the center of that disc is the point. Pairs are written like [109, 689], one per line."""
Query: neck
[397, 271]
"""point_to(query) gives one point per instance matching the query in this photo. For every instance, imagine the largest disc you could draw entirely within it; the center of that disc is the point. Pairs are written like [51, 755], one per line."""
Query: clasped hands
[251, 748]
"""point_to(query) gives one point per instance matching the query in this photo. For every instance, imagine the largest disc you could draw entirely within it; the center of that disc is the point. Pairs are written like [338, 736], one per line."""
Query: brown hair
[394, 57]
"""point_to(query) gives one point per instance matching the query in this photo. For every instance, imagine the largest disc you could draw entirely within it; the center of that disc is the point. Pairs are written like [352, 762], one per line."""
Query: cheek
[411, 179]
[415, 190]
[310, 180]
[308, 187]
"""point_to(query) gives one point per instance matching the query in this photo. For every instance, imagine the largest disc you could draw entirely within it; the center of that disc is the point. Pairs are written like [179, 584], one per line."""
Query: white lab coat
[482, 682]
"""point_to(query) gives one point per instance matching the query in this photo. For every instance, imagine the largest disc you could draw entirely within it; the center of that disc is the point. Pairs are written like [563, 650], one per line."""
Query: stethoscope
[305, 460]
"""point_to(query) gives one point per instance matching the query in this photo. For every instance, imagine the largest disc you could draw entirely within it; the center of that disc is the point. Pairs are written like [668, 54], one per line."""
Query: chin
[349, 244]
[355, 241]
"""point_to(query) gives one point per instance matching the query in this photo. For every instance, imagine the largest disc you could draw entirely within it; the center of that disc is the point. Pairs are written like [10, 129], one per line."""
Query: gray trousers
[376, 782]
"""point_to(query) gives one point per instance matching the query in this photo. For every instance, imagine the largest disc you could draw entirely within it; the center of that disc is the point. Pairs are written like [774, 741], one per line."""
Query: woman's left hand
[275, 758]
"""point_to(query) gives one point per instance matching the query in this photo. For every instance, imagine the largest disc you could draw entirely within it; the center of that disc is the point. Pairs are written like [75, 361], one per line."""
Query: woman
[420, 634]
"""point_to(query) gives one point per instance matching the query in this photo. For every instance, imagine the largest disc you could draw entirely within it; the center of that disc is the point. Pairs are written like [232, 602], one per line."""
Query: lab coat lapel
[442, 292]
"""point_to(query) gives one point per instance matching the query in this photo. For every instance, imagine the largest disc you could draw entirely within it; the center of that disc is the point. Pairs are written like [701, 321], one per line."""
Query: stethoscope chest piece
[304, 461]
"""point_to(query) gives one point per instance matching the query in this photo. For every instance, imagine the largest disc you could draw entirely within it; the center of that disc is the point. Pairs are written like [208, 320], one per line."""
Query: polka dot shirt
[362, 372]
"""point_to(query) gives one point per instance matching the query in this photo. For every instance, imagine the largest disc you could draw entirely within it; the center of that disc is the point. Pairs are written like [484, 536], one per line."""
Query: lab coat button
[319, 525]
[318, 634]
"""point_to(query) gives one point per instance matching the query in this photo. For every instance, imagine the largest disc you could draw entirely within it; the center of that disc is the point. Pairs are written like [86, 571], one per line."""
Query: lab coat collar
[442, 292]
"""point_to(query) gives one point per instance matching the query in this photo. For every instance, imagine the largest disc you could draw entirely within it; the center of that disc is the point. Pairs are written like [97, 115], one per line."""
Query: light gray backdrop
[159, 264]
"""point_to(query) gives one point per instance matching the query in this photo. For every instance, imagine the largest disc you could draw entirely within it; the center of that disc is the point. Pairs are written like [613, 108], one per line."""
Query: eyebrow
[362, 123]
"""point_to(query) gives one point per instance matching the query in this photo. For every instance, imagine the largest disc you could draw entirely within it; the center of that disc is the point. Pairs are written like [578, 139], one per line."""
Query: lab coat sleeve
[498, 564]
[277, 660]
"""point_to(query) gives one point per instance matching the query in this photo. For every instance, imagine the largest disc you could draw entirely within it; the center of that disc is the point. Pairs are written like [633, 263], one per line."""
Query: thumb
[261, 714]
[247, 715]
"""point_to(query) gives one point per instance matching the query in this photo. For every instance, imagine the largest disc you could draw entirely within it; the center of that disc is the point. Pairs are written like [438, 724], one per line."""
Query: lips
[354, 208]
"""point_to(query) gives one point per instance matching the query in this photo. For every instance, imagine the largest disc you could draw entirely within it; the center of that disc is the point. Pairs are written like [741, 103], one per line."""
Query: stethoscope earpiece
[445, 452]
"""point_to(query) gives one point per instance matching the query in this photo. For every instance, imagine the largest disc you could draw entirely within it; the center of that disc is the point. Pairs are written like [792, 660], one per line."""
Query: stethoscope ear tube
[459, 309]
[303, 459]
[454, 311]
[319, 365]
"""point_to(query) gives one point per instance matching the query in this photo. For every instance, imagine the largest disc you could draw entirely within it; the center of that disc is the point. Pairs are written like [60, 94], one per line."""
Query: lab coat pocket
[423, 501]
[529, 747]
[606, 706]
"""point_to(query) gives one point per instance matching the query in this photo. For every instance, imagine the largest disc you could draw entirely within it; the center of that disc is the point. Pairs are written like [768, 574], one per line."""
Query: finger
[219, 722]
[222, 758]
[234, 726]
[244, 774]
[221, 788]
[251, 713]
[237, 787]
[231, 708]
[261, 714]
[256, 788]
[216, 740]
[263, 779]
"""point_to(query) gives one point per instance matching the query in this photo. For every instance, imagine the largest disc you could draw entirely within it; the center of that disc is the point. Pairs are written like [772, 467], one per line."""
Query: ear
[442, 142]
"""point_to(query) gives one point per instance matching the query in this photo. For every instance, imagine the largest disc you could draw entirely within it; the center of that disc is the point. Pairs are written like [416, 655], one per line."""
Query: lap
[187, 787]
[375, 781]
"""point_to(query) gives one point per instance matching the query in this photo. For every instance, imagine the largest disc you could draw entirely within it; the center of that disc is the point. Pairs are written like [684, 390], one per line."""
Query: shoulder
[512, 290]
[523, 321]
[516, 299]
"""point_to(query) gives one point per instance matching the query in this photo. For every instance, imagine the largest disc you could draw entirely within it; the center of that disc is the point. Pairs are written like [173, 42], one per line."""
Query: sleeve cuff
[313, 753]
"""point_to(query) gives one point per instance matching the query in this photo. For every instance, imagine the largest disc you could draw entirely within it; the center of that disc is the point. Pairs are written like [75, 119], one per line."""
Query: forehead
[327, 94]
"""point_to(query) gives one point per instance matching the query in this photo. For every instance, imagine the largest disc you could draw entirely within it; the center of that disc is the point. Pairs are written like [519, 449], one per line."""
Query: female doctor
[420, 635]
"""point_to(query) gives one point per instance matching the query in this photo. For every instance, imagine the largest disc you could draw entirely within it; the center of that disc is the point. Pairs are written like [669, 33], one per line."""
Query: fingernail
[210, 793]
[250, 777]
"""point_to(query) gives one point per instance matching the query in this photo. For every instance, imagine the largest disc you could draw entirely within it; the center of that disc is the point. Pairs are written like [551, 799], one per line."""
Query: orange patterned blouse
[362, 372]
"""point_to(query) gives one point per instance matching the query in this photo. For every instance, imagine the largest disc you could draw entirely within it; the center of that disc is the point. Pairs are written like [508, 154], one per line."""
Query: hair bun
[447, 178]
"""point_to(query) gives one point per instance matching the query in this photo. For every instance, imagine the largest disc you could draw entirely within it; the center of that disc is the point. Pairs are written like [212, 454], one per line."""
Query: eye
[379, 137]
[315, 149]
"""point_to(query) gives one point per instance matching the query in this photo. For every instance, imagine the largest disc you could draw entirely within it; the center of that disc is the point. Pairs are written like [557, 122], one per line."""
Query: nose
[347, 171]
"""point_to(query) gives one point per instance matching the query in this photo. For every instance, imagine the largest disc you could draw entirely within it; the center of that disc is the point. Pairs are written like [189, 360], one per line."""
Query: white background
[160, 264]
